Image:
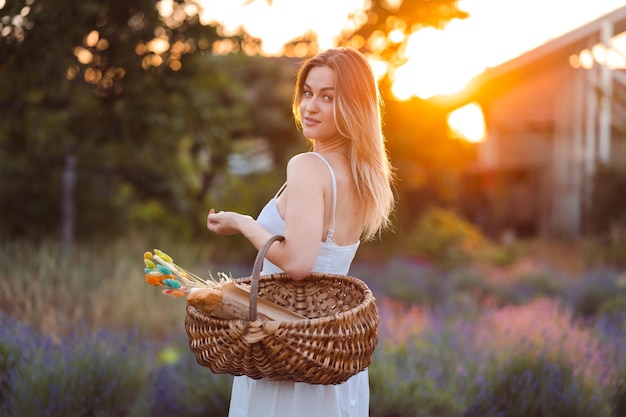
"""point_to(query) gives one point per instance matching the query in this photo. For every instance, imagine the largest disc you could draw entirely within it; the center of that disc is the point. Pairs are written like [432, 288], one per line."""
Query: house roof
[552, 53]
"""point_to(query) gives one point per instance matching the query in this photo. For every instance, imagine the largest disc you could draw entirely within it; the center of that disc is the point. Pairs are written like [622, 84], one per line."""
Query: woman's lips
[310, 122]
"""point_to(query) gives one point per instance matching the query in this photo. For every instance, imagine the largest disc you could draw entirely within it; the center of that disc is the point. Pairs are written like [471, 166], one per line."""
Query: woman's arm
[304, 219]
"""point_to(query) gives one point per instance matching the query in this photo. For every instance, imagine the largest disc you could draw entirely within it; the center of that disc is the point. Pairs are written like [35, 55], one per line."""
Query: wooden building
[553, 115]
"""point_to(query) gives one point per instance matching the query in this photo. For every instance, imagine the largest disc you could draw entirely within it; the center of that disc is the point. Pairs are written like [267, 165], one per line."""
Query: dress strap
[331, 230]
[280, 190]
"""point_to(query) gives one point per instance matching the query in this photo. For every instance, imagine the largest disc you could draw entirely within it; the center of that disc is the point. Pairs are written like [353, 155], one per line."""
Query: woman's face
[316, 107]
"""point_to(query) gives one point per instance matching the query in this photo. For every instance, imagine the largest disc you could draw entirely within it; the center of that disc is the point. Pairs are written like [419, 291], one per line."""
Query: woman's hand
[226, 222]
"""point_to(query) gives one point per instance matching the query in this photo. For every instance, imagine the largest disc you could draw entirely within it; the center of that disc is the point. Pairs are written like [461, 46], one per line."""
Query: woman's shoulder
[305, 161]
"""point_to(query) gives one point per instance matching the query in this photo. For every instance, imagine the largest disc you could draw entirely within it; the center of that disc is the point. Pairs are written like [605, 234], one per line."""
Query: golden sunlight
[468, 122]
[439, 61]
[278, 21]
[444, 61]
[436, 64]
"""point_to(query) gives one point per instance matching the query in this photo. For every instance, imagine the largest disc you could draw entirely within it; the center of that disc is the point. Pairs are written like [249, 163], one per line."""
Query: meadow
[534, 331]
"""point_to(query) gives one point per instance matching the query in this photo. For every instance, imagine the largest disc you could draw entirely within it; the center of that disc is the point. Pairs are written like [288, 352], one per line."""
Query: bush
[445, 239]
[535, 386]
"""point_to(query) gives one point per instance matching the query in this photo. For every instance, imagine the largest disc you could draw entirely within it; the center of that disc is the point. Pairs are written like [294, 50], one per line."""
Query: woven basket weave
[335, 342]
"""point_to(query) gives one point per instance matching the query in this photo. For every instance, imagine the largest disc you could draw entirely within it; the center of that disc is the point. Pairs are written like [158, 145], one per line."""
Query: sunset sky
[442, 61]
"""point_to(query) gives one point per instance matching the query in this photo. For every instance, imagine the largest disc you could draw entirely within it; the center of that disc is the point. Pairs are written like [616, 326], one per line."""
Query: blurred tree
[383, 28]
[135, 96]
[138, 105]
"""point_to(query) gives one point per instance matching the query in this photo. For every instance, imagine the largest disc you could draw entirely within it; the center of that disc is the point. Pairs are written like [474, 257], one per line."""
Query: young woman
[334, 197]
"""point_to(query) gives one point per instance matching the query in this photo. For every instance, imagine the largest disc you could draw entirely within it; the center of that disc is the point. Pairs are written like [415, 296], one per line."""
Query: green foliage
[140, 132]
[157, 128]
[505, 254]
[531, 385]
[445, 239]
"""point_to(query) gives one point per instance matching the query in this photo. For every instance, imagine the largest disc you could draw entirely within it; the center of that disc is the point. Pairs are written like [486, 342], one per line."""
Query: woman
[334, 197]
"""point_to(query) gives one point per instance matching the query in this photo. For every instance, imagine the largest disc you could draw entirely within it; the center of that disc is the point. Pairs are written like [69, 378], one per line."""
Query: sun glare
[468, 122]
[439, 61]
[437, 64]
[279, 21]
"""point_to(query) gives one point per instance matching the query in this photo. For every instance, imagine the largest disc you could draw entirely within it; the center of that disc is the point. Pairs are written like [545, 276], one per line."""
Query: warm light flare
[83, 55]
[586, 59]
[280, 21]
[92, 38]
[158, 45]
[468, 122]
[436, 65]
[379, 67]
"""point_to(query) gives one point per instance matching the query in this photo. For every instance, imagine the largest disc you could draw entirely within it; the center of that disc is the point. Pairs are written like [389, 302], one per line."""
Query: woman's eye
[328, 98]
[307, 94]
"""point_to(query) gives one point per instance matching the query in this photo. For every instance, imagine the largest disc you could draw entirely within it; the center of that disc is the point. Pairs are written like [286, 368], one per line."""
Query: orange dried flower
[174, 293]
[153, 279]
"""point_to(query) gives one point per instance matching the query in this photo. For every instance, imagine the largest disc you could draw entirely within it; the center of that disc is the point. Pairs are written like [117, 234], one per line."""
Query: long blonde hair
[357, 113]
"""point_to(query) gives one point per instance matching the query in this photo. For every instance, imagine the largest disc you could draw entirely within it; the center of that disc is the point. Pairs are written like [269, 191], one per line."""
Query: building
[553, 116]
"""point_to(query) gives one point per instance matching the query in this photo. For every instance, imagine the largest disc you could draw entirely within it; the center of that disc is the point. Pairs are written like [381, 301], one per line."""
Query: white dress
[265, 398]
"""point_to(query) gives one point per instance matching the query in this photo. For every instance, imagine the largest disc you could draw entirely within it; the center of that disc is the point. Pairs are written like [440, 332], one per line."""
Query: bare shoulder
[305, 163]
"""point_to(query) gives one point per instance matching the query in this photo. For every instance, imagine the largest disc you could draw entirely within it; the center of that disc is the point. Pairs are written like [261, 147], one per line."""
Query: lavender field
[86, 336]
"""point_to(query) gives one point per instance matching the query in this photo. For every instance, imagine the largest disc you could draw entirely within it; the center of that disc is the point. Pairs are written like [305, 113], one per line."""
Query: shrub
[445, 239]
[531, 385]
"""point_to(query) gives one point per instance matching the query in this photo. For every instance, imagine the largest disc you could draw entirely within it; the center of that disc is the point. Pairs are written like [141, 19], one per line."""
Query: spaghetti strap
[280, 190]
[331, 230]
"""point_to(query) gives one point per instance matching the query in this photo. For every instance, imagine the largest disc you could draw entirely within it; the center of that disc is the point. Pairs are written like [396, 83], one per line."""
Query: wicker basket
[335, 342]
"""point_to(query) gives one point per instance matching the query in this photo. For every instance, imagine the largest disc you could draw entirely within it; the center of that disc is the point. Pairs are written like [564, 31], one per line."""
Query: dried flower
[161, 270]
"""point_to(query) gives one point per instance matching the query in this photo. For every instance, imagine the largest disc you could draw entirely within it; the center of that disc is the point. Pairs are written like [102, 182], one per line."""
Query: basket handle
[256, 272]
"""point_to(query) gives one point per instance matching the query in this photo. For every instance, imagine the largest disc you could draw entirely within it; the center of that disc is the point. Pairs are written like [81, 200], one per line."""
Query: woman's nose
[311, 105]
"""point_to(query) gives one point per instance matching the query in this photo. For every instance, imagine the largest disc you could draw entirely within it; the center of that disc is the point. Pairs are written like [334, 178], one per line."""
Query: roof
[552, 53]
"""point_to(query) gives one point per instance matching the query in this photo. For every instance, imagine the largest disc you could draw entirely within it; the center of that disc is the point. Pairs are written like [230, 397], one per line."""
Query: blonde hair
[357, 111]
